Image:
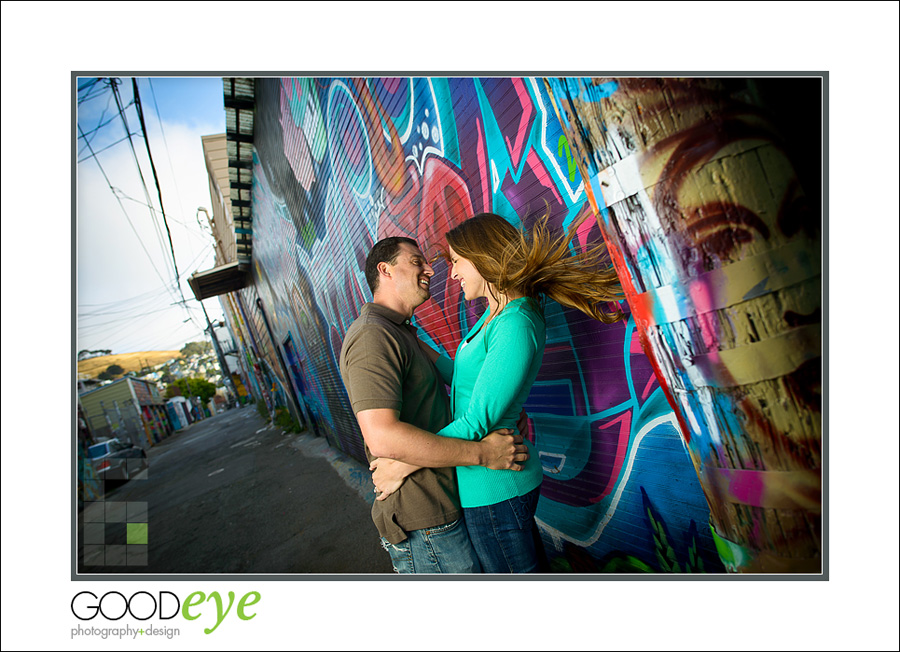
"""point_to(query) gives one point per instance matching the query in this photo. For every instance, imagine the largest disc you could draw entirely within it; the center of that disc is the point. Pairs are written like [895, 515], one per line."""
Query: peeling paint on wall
[699, 188]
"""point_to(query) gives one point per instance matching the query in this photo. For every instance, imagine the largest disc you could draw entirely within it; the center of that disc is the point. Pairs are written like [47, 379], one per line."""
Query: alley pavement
[235, 495]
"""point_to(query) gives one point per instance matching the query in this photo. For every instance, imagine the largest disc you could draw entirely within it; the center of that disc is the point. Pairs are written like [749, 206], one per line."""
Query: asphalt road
[234, 495]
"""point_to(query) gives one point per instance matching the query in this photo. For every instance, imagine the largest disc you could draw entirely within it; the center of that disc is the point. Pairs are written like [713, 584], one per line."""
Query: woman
[496, 365]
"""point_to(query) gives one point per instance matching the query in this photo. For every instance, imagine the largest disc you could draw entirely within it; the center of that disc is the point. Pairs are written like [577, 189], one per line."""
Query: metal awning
[220, 280]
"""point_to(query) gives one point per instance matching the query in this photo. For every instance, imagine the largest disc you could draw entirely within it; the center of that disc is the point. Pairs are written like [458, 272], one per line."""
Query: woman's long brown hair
[538, 264]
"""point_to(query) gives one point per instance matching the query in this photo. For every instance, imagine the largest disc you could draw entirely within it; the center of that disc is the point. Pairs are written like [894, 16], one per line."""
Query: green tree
[84, 354]
[189, 387]
[111, 372]
[195, 348]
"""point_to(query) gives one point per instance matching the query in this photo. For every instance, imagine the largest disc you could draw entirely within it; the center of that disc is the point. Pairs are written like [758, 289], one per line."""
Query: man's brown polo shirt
[383, 367]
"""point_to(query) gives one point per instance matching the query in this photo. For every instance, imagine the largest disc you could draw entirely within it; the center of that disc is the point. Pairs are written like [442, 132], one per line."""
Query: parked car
[118, 460]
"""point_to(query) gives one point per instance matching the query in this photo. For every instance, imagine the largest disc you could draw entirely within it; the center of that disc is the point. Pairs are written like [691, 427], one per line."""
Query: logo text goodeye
[143, 605]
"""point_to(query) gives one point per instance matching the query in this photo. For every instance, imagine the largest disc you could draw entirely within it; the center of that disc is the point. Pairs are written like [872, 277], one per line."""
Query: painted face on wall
[471, 282]
[411, 275]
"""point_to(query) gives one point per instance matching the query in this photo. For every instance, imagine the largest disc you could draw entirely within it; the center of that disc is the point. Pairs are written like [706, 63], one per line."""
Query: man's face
[411, 276]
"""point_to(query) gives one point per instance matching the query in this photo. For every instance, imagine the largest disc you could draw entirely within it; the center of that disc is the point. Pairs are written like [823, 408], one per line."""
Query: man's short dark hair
[384, 251]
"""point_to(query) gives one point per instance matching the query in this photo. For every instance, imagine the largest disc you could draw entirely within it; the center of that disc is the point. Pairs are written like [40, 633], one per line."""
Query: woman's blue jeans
[505, 535]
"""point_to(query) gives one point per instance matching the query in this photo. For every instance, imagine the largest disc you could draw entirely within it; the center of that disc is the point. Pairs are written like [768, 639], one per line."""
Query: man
[400, 401]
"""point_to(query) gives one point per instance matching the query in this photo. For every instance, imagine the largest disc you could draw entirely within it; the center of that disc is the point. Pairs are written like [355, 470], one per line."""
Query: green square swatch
[137, 533]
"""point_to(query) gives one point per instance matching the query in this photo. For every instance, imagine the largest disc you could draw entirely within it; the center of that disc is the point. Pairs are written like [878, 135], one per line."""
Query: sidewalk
[343, 527]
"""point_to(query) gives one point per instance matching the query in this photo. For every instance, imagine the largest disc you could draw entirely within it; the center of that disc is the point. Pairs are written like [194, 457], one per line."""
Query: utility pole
[221, 358]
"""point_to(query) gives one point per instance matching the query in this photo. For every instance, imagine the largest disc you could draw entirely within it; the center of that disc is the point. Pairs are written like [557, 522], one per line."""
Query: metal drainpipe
[253, 348]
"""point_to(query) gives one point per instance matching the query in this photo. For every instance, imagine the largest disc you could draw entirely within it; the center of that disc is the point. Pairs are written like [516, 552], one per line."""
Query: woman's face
[471, 282]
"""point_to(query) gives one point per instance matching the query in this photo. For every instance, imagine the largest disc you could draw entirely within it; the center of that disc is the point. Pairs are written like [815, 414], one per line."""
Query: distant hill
[128, 361]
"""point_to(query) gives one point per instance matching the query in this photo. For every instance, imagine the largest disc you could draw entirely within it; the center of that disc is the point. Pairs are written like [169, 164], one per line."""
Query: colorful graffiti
[700, 198]
[343, 162]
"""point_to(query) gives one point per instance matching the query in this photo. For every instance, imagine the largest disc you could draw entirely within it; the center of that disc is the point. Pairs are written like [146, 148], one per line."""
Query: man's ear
[384, 269]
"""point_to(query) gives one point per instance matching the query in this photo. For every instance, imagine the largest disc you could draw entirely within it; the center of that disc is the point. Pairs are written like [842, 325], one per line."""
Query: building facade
[130, 409]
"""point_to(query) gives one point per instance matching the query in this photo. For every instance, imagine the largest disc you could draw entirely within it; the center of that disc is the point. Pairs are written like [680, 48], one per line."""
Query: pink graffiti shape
[515, 149]
[635, 347]
[445, 202]
[624, 423]
[649, 386]
[391, 84]
[584, 230]
[704, 302]
[483, 167]
[537, 166]
[746, 487]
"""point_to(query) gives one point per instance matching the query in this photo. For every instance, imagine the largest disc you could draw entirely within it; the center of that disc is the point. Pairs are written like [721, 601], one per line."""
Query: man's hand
[502, 450]
[522, 424]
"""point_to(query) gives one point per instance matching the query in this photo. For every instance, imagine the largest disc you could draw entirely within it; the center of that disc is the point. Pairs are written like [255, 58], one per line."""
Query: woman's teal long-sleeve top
[491, 378]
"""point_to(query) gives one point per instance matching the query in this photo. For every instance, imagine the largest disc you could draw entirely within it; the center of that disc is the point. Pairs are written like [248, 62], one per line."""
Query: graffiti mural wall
[342, 162]
[708, 192]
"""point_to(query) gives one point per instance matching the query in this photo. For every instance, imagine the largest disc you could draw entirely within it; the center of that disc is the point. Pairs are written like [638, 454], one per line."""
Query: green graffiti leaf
[653, 522]
[563, 144]
[560, 565]
[626, 564]
[695, 562]
[308, 234]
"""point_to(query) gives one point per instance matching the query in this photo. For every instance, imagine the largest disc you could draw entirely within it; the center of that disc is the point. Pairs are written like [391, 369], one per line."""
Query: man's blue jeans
[440, 549]
[505, 535]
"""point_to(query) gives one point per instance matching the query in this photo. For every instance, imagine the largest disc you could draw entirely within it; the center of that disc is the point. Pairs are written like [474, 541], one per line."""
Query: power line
[121, 319]
[91, 94]
[141, 302]
[147, 303]
[140, 112]
[103, 172]
[94, 81]
[166, 144]
[114, 84]
[169, 345]
[147, 347]
[205, 230]
[118, 302]
[138, 302]
[116, 308]
[112, 330]
[103, 124]
[82, 160]
[102, 114]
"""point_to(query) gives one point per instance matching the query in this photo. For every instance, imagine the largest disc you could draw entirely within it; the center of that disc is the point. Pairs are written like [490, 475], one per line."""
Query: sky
[856, 43]
[127, 296]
